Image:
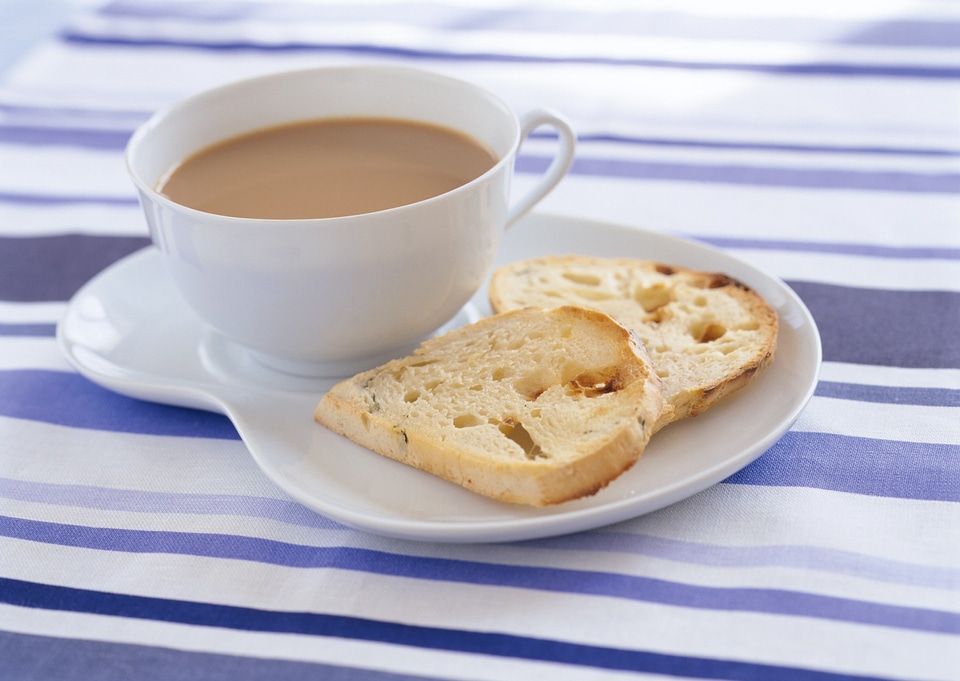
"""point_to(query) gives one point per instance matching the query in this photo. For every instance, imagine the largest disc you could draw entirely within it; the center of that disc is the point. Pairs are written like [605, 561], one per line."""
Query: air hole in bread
[570, 371]
[432, 384]
[467, 421]
[531, 386]
[411, 396]
[422, 363]
[664, 269]
[700, 301]
[500, 373]
[585, 278]
[707, 331]
[654, 318]
[519, 435]
[652, 298]
[573, 379]
[596, 383]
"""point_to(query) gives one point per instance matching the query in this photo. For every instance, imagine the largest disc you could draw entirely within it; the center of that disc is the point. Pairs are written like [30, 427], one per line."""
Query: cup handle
[558, 167]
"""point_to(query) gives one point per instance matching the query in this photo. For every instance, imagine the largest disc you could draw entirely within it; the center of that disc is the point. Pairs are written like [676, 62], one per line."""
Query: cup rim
[163, 113]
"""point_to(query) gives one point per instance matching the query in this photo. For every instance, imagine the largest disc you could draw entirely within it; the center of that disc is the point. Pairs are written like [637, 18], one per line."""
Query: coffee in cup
[326, 168]
[329, 291]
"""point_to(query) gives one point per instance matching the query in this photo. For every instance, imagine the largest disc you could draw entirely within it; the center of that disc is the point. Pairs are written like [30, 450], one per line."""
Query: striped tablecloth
[818, 141]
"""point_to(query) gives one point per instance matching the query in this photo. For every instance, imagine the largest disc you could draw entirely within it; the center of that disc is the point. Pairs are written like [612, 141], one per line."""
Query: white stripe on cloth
[48, 220]
[892, 376]
[31, 313]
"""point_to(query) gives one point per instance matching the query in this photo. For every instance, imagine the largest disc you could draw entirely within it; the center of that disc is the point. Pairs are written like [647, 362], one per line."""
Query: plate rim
[487, 530]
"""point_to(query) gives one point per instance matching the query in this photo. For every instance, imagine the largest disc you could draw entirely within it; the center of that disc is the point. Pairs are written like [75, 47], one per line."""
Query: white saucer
[129, 331]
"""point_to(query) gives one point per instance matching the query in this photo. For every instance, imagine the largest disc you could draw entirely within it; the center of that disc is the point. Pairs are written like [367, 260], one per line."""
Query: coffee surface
[326, 168]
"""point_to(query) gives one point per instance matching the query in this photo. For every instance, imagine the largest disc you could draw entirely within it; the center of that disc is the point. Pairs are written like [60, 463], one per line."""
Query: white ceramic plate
[129, 331]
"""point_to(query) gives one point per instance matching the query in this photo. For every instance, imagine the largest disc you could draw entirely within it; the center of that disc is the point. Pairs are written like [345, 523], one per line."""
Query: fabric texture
[818, 141]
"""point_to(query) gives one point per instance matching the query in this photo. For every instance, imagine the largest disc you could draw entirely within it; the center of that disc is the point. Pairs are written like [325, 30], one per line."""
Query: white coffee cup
[332, 296]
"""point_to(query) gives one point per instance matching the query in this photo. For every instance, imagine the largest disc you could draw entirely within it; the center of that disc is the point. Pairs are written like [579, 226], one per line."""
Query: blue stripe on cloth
[757, 175]
[905, 33]
[66, 261]
[66, 599]
[60, 199]
[143, 501]
[750, 175]
[53, 114]
[29, 657]
[554, 580]
[38, 330]
[799, 459]
[855, 325]
[924, 397]
[894, 32]
[855, 249]
[811, 558]
[775, 147]
[904, 470]
[832, 69]
[50, 136]
[68, 399]
[815, 558]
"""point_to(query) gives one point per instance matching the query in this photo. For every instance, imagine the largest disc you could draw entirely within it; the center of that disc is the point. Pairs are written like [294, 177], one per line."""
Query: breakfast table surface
[806, 528]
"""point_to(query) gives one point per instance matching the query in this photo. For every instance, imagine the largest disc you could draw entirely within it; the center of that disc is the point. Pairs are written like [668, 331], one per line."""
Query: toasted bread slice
[533, 406]
[706, 334]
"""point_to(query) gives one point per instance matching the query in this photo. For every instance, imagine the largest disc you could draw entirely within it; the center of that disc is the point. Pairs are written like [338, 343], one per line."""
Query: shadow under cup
[333, 296]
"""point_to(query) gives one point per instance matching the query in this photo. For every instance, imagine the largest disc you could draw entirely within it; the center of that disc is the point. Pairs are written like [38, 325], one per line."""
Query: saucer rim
[799, 325]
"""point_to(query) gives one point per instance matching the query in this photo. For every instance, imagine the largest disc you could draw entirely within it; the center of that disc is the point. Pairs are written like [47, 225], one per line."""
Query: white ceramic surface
[130, 331]
[332, 296]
